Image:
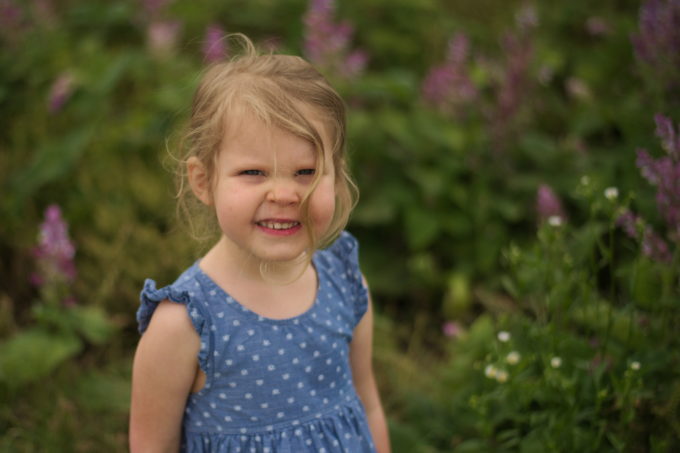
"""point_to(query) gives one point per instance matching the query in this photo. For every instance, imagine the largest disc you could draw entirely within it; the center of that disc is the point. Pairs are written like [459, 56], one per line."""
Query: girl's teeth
[279, 226]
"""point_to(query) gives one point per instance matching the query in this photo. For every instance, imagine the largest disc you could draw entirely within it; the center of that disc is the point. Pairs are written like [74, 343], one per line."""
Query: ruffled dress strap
[346, 250]
[179, 292]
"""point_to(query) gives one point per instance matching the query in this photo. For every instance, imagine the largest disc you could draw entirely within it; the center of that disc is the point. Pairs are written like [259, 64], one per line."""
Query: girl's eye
[306, 172]
[252, 172]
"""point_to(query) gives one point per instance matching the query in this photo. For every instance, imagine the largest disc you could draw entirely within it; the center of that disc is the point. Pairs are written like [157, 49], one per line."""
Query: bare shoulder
[170, 331]
[170, 318]
[167, 352]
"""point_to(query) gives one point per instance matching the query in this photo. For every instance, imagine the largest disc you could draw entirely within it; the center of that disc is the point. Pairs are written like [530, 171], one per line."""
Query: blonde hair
[281, 91]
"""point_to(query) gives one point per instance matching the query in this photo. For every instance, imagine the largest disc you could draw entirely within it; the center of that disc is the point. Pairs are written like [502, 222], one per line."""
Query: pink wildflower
[162, 36]
[548, 204]
[653, 246]
[664, 173]
[154, 7]
[657, 44]
[55, 251]
[448, 86]
[60, 92]
[451, 329]
[327, 43]
[214, 44]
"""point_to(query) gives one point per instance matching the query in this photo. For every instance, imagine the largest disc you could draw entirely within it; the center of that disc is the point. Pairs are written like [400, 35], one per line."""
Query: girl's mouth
[273, 225]
[279, 227]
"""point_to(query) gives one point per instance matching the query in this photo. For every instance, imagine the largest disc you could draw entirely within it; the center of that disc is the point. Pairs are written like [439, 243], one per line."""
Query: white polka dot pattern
[274, 385]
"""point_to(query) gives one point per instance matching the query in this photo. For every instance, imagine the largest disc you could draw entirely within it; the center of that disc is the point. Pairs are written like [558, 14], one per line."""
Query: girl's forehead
[249, 132]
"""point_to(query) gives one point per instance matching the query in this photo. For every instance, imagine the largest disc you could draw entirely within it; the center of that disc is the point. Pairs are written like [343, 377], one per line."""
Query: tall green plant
[61, 327]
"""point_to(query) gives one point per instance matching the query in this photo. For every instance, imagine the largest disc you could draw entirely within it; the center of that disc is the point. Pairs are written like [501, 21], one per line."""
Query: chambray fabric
[274, 386]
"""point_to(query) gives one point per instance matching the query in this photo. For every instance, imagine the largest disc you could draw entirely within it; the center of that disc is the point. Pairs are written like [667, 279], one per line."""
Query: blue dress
[274, 386]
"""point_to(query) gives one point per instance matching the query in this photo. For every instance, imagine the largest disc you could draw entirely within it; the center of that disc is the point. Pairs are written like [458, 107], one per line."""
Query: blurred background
[519, 221]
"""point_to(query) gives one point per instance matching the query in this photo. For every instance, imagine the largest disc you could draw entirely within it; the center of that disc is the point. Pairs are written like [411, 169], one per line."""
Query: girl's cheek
[323, 204]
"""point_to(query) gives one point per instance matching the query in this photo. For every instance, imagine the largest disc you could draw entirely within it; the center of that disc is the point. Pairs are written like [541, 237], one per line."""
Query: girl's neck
[226, 261]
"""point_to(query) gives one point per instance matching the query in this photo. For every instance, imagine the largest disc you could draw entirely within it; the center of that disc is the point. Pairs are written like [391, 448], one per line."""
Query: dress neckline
[239, 307]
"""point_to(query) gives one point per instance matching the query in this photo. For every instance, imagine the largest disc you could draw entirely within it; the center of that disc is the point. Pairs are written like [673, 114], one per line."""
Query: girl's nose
[283, 192]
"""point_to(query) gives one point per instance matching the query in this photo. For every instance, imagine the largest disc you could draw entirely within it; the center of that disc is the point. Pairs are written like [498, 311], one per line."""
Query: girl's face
[261, 177]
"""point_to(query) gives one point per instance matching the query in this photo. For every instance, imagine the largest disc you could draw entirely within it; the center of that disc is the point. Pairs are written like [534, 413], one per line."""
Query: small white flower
[555, 220]
[556, 362]
[490, 371]
[635, 365]
[513, 358]
[611, 193]
[501, 376]
[503, 336]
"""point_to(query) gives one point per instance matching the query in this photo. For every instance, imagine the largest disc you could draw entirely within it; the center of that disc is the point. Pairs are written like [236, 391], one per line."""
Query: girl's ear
[199, 180]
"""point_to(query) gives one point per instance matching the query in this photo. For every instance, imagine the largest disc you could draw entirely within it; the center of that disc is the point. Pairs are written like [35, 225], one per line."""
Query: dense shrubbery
[519, 168]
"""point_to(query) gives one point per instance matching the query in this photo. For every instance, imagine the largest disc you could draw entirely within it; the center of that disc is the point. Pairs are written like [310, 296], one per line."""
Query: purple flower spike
[214, 44]
[354, 64]
[162, 36]
[669, 140]
[548, 204]
[628, 222]
[655, 247]
[451, 329]
[11, 19]
[327, 43]
[60, 92]
[154, 7]
[657, 43]
[55, 251]
[448, 86]
[664, 173]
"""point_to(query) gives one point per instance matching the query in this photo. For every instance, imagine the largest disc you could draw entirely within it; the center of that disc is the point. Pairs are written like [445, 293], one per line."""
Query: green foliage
[584, 360]
[34, 354]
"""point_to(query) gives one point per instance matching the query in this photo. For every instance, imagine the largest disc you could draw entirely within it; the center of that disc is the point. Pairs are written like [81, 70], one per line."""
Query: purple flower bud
[665, 131]
[459, 47]
[154, 7]
[60, 92]
[162, 36]
[647, 166]
[214, 44]
[354, 64]
[451, 329]
[654, 247]
[11, 19]
[55, 251]
[596, 26]
[628, 222]
[664, 173]
[327, 43]
[448, 86]
[657, 44]
[548, 204]
[527, 17]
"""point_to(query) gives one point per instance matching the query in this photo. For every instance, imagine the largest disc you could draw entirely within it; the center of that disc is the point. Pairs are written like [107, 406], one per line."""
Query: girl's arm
[163, 372]
[361, 355]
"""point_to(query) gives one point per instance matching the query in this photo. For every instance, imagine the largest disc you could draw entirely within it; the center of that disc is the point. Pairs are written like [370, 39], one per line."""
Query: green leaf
[104, 392]
[645, 284]
[33, 354]
[458, 296]
[422, 227]
[92, 323]
[51, 162]
[472, 446]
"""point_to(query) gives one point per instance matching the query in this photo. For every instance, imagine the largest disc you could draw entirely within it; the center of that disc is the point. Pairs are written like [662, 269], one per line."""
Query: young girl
[264, 344]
